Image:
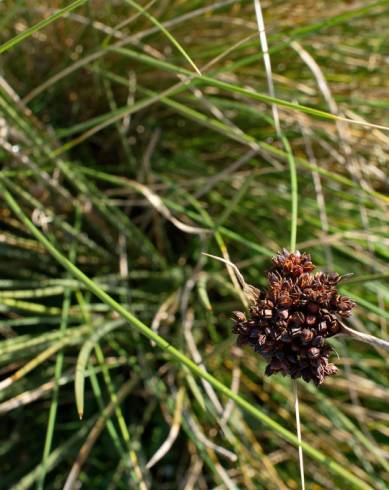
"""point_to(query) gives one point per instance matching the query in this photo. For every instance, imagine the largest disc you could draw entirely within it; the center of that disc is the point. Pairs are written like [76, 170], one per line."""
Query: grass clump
[122, 163]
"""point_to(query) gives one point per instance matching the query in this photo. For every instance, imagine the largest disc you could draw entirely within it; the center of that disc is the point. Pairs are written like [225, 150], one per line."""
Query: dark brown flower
[290, 320]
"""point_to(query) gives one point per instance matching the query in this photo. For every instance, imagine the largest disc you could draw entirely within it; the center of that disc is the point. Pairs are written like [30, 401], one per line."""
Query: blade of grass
[42, 357]
[166, 33]
[82, 361]
[58, 368]
[95, 433]
[40, 25]
[54, 458]
[93, 342]
[233, 88]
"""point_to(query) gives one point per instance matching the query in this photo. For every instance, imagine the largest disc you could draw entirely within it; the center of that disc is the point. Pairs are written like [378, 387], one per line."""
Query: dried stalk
[250, 291]
[362, 337]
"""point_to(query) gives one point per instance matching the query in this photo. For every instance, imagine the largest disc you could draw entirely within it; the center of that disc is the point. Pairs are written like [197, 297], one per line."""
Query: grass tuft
[135, 139]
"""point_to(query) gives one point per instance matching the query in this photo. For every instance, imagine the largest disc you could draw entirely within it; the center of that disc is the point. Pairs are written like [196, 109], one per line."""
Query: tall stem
[363, 337]
[298, 426]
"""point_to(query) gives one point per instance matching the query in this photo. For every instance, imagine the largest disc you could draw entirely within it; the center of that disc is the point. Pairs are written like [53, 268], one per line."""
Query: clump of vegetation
[133, 137]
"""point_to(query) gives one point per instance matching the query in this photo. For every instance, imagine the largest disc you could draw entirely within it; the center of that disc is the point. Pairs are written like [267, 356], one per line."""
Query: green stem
[294, 193]
[40, 25]
[58, 370]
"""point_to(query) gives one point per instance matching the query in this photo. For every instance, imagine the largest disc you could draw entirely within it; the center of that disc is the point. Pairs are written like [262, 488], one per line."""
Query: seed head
[289, 322]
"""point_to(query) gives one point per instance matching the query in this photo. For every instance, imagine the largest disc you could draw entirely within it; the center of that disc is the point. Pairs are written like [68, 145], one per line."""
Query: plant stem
[363, 337]
[294, 193]
[298, 426]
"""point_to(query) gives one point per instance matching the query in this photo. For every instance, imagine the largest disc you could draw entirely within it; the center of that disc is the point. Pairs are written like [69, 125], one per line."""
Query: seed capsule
[261, 339]
[289, 322]
[295, 331]
[318, 341]
[238, 316]
[313, 307]
[313, 352]
[311, 320]
[322, 327]
[298, 317]
[267, 313]
[307, 335]
[283, 314]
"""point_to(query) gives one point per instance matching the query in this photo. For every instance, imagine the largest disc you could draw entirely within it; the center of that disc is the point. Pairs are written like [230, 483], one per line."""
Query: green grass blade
[57, 370]
[40, 25]
[236, 89]
[294, 193]
[82, 362]
[166, 32]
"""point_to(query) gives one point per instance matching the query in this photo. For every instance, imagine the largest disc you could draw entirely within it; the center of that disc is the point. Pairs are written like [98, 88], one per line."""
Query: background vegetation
[131, 164]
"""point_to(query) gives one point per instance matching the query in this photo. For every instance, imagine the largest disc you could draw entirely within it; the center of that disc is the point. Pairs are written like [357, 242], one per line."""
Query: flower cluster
[289, 321]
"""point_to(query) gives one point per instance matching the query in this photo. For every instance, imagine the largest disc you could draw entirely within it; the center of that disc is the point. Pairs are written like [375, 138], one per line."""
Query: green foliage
[133, 137]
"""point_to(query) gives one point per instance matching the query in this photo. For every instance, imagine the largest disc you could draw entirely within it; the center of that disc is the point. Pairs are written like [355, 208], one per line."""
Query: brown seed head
[290, 321]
